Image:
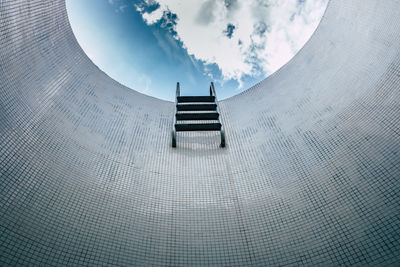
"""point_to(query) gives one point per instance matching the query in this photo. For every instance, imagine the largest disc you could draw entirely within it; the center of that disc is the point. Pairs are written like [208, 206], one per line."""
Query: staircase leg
[222, 137]
[173, 138]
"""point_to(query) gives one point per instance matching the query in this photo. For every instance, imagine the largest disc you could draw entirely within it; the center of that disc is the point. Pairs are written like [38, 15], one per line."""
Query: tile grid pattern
[310, 175]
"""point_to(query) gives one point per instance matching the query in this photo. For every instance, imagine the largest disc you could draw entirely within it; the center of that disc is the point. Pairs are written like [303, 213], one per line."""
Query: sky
[149, 45]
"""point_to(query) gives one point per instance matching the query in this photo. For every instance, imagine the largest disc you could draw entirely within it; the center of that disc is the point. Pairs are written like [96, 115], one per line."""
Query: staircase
[197, 113]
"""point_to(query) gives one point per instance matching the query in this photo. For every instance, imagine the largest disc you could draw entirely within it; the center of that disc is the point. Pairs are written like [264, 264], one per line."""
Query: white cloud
[122, 7]
[243, 37]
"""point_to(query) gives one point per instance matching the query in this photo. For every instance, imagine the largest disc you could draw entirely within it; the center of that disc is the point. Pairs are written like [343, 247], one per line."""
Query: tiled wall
[310, 175]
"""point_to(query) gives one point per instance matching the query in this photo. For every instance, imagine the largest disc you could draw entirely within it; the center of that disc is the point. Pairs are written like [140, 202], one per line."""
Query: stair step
[197, 116]
[187, 99]
[183, 127]
[205, 106]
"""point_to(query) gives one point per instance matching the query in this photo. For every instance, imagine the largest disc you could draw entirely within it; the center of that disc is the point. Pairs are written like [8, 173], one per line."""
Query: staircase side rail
[177, 94]
[212, 93]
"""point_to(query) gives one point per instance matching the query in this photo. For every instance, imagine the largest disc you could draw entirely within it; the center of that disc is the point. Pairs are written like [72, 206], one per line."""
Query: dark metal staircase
[197, 108]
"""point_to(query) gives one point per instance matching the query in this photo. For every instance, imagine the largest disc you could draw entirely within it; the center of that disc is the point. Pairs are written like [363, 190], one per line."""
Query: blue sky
[149, 45]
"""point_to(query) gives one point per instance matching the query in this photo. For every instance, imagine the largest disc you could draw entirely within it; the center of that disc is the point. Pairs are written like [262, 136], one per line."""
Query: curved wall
[310, 175]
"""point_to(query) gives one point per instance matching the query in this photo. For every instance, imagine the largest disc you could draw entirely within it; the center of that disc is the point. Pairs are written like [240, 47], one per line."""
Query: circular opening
[149, 45]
